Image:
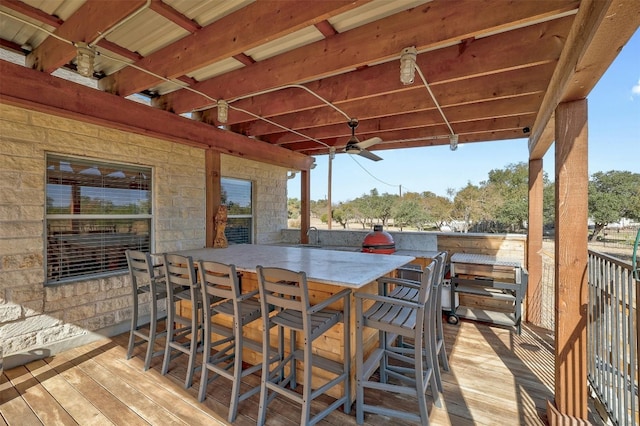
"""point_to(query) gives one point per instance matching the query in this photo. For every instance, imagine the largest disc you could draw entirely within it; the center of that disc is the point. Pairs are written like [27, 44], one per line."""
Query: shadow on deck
[496, 378]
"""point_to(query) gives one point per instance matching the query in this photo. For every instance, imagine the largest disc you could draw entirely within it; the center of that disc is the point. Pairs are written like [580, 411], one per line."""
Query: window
[237, 195]
[94, 212]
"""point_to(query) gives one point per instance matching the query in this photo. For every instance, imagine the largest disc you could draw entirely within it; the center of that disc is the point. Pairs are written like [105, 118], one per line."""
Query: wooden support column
[213, 193]
[305, 205]
[534, 242]
[571, 178]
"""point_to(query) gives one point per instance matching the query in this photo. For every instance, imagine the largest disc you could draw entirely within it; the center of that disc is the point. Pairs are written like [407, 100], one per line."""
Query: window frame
[250, 216]
[48, 218]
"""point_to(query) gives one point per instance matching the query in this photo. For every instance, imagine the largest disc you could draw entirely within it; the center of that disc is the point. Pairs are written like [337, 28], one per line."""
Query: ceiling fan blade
[368, 142]
[370, 155]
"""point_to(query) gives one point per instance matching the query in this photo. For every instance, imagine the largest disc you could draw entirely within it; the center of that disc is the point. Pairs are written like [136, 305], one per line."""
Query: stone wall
[37, 320]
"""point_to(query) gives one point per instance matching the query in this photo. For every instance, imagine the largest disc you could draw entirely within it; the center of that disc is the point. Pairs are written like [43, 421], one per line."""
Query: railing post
[534, 243]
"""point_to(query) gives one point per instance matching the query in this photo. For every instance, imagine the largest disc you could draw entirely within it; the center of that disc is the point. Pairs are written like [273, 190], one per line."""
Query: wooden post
[305, 205]
[571, 258]
[329, 184]
[213, 193]
[534, 242]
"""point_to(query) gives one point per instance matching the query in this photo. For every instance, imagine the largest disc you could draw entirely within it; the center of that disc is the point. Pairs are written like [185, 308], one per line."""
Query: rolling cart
[496, 288]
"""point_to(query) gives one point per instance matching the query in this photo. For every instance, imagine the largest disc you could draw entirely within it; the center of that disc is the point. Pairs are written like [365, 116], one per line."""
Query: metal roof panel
[204, 13]
[147, 32]
[280, 45]
[372, 11]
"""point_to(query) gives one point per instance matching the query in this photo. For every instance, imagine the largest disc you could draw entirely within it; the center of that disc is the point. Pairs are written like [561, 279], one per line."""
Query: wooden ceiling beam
[326, 28]
[504, 85]
[9, 45]
[315, 149]
[447, 23]
[55, 22]
[41, 92]
[174, 16]
[118, 50]
[600, 29]
[485, 56]
[33, 13]
[85, 25]
[434, 130]
[523, 106]
[227, 37]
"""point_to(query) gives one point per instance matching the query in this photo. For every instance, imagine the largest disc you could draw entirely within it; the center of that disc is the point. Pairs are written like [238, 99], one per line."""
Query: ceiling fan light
[85, 58]
[453, 142]
[408, 65]
[223, 111]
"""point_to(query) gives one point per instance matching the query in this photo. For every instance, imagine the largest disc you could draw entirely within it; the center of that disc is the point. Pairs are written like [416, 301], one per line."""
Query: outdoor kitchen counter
[341, 268]
[423, 254]
[328, 272]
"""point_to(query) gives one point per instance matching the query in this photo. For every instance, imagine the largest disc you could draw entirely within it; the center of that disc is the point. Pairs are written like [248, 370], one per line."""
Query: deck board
[496, 377]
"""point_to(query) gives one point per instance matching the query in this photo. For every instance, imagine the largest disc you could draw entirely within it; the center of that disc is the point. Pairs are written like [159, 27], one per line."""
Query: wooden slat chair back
[439, 349]
[183, 332]
[287, 292]
[147, 286]
[436, 341]
[222, 297]
[410, 369]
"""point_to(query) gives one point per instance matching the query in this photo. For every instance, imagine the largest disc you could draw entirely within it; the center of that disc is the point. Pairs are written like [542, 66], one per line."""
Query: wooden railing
[612, 337]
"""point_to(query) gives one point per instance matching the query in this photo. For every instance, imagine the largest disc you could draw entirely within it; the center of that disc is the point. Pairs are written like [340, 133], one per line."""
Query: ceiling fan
[354, 146]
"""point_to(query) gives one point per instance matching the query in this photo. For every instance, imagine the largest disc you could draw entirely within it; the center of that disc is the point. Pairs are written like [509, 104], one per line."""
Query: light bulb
[85, 56]
[408, 65]
[453, 142]
[223, 111]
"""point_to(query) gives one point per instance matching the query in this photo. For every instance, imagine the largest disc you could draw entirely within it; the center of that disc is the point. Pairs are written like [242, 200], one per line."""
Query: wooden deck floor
[496, 378]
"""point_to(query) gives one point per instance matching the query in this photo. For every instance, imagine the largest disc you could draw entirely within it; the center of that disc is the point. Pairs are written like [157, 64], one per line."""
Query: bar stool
[183, 333]
[222, 297]
[146, 284]
[436, 342]
[412, 367]
[287, 292]
[439, 349]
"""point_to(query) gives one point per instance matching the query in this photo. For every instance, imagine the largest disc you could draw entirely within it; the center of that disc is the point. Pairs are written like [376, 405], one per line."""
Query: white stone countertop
[483, 259]
[427, 254]
[344, 268]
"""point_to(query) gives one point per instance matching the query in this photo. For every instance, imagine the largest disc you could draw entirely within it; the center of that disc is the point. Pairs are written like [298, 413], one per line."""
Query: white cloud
[635, 90]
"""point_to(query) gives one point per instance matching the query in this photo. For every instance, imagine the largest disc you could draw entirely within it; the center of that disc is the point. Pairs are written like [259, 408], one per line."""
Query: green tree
[293, 208]
[408, 211]
[318, 208]
[472, 204]
[510, 187]
[437, 207]
[549, 204]
[613, 195]
[383, 207]
[344, 213]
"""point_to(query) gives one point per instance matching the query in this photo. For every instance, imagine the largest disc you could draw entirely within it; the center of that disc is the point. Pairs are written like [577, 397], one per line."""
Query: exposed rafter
[230, 36]
[86, 25]
[366, 45]
[40, 92]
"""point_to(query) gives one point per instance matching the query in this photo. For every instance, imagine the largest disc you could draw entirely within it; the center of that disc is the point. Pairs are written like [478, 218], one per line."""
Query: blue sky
[614, 144]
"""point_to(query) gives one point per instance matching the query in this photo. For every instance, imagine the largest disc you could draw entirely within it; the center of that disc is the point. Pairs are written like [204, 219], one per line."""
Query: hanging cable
[435, 101]
[116, 26]
[24, 21]
[168, 80]
[182, 84]
[292, 86]
[369, 173]
[279, 125]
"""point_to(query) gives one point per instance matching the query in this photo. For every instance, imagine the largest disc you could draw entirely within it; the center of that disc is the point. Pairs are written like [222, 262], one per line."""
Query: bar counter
[341, 268]
[328, 272]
